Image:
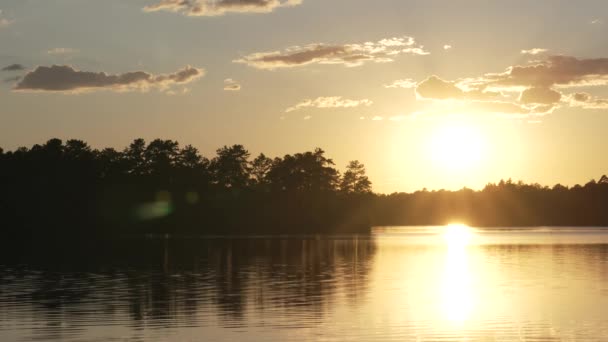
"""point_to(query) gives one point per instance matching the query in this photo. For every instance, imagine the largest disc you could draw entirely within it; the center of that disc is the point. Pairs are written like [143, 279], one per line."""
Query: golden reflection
[457, 295]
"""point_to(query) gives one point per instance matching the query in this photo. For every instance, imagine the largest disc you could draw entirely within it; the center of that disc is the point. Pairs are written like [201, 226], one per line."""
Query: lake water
[398, 284]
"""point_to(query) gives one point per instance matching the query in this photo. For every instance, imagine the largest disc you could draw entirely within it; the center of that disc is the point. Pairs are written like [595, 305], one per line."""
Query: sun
[456, 147]
[457, 234]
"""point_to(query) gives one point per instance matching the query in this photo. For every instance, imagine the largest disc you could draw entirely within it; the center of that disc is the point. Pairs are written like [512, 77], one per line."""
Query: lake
[449, 283]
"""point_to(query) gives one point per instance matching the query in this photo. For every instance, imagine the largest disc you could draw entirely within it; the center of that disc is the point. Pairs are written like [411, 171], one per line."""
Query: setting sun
[457, 235]
[456, 147]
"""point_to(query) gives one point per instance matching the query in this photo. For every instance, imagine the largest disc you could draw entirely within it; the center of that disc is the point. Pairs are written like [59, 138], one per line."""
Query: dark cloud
[357, 54]
[219, 7]
[563, 71]
[476, 100]
[540, 96]
[13, 67]
[581, 97]
[64, 78]
[437, 89]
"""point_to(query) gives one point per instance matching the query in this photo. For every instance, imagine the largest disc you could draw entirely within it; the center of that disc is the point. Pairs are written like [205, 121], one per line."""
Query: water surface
[399, 284]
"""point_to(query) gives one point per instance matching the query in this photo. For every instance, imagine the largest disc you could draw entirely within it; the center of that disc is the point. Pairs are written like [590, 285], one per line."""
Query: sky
[427, 94]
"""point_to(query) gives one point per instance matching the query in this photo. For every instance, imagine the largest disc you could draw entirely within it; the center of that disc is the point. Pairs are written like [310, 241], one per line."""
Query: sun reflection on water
[457, 295]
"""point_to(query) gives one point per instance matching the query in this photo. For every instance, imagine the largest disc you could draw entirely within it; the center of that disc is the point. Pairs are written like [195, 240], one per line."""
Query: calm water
[399, 284]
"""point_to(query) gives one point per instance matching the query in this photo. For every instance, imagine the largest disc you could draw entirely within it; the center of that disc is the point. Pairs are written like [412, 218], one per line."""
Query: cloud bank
[539, 86]
[64, 78]
[349, 55]
[329, 102]
[201, 8]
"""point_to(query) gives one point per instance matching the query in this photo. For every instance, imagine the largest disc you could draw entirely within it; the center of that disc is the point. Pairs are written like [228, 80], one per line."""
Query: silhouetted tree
[309, 171]
[161, 156]
[55, 188]
[230, 169]
[134, 155]
[260, 167]
[354, 179]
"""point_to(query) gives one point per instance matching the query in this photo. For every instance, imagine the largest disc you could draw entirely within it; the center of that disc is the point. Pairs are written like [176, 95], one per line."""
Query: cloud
[307, 117]
[231, 85]
[447, 47]
[437, 89]
[585, 100]
[562, 71]
[509, 108]
[407, 83]
[596, 21]
[13, 67]
[329, 102]
[64, 78]
[533, 101]
[377, 118]
[62, 51]
[350, 55]
[200, 8]
[539, 84]
[540, 96]
[535, 51]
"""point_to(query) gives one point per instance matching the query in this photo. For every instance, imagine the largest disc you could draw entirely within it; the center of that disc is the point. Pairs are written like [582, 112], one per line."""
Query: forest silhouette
[71, 189]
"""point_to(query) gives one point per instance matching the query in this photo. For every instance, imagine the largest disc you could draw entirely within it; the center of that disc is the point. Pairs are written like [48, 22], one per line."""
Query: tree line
[70, 188]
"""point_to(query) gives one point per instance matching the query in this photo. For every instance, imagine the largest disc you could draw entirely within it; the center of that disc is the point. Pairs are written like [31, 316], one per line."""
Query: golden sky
[435, 94]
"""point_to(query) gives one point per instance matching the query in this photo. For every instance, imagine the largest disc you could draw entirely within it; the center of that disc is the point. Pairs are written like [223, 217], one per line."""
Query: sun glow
[457, 235]
[456, 147]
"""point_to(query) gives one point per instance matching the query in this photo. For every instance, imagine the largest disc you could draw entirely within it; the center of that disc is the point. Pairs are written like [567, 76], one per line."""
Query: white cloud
[534, 51]
[329, 102]
[231, 85]
[407, 83]
[201, 8]
[447, 47]
[377, 118]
